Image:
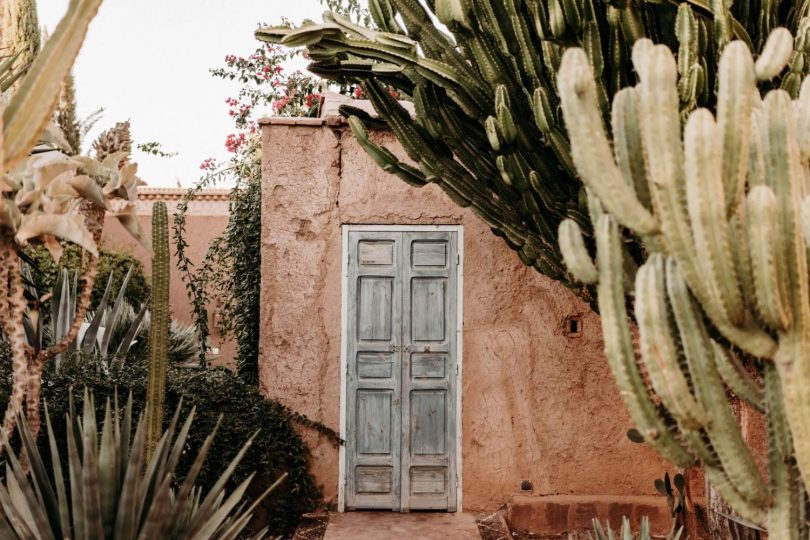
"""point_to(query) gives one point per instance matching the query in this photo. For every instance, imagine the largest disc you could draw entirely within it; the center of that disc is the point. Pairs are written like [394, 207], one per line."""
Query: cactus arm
[575, 254]
[661, 134]
[737, 378]
[723, 430]
[803, 120]
[787, 177]
[619, 347]
[658, 348]
[806, 221]
[159, 326]
[764, 244]
[665, 157]
[628, 144]
[775, 54]
[707, 211]
[384, 157]
[734, 106]
[590, 148]
[783, 516]
[746, 510]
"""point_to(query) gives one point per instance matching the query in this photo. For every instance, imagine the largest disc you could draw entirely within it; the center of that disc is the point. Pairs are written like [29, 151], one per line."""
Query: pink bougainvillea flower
[208, 165]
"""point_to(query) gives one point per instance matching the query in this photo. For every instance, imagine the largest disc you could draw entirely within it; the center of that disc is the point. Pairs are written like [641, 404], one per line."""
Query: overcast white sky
[148, 61]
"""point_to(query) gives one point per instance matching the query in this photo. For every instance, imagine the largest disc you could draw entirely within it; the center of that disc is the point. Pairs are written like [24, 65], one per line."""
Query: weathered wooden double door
[401, 370]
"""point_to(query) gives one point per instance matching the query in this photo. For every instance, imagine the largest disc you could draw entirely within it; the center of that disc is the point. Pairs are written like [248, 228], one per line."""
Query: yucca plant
[108, 489]
[111, 330]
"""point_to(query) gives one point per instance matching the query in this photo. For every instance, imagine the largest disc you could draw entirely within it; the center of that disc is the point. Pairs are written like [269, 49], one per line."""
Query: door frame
[344, 327]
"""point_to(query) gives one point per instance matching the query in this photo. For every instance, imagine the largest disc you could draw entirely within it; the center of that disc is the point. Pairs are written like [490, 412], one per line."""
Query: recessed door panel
[428, 366]
[428, 313]
[374, 421]
[375, 365]
[375, 309]
[428, 422]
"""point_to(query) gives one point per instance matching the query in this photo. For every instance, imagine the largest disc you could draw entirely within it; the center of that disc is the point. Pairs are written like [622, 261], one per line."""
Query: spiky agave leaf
[114, 490]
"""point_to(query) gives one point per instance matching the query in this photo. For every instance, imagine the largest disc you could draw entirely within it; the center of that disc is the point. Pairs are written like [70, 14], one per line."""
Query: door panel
[429, 369]
[401, 352]
[373, 419]
[428, 313]
[374, 312]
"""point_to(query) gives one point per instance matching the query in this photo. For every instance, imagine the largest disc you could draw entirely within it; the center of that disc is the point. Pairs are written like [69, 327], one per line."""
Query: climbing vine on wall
[231, 271]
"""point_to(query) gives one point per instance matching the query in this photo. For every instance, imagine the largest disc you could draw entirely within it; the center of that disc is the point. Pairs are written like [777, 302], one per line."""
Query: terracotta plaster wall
[537, 404]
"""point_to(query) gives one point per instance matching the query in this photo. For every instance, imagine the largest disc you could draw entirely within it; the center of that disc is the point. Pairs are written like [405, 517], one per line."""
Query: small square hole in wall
[573, 326]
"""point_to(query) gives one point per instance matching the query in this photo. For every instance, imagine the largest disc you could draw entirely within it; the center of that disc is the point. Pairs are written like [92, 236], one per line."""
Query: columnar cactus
[720, 211]
[486, 126]
[159, 326]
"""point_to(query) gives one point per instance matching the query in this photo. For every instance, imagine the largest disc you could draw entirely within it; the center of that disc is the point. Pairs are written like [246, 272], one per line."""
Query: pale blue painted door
[401, 370]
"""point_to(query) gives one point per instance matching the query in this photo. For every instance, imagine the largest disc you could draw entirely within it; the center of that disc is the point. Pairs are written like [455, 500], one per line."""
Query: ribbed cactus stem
[775, 54]
[730, 260]
[575, 254]
[159, 326]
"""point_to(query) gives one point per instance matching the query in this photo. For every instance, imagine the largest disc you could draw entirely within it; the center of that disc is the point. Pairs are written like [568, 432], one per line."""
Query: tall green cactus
[486, 127]
[722, 211]
[159, 325]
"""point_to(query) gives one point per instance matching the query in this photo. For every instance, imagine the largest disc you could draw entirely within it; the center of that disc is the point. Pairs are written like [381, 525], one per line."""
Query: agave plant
[110, 331]
[626, 532]
[108, 489]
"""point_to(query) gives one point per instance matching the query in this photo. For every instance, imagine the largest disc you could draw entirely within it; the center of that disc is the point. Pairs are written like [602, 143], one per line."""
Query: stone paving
[401, 526]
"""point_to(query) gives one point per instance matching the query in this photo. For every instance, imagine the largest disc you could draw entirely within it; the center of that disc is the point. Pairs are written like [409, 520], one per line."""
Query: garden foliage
[215, 393]
[45, 271]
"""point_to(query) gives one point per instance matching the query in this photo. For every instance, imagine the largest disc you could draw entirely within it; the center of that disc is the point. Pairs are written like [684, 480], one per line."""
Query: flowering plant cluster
[267, 82]
[229, 271]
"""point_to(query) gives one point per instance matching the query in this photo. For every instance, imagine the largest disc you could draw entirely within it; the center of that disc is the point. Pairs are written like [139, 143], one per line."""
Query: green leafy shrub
[277, 449]
[116, 263]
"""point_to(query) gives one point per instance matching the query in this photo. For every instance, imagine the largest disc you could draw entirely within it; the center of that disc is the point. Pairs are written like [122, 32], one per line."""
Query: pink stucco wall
[536, 403]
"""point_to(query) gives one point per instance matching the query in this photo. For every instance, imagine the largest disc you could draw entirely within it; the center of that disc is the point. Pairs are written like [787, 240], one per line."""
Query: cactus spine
[159, 325]
[726, 266]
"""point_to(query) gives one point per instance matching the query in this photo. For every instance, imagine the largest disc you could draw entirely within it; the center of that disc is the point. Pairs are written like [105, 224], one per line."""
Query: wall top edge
[332, 121]
[177, 194]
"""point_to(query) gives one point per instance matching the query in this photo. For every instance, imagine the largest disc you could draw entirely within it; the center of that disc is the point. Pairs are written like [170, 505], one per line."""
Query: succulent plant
[486, 126]
[109, 488]
[113, 141]
[49, 197]
[719, 208]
